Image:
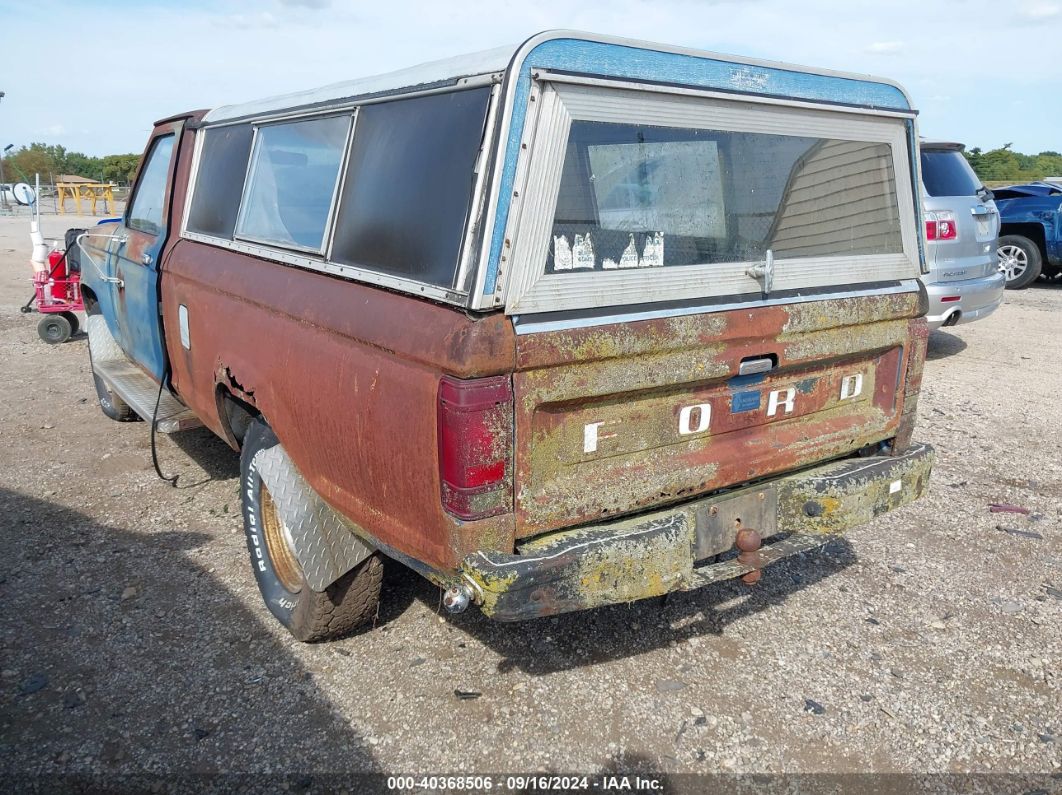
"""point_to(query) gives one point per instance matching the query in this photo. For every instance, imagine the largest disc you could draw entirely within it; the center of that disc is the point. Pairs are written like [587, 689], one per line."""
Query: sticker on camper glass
[583, 253]
[652, 255]
[562, 253]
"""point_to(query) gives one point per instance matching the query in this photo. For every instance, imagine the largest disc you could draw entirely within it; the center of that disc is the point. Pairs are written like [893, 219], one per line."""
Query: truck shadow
[574, 640]
[123, 654]
[219, 462]
[942, 345]
[210, 452]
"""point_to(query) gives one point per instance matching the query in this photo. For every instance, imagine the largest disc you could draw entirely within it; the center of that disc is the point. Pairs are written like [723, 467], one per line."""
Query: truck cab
[575, 323]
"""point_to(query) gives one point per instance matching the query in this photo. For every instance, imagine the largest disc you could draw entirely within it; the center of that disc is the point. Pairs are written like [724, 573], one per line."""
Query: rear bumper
[653, 554]
[977, 298]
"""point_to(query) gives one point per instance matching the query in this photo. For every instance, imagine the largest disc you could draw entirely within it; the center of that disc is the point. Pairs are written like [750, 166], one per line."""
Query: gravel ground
[134, 639]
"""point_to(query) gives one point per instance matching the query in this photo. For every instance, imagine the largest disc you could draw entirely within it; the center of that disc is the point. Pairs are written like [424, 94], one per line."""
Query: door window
[148, 210]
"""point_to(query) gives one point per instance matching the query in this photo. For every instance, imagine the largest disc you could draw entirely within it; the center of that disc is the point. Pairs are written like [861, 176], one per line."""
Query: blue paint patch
[634, 63]
[741, 381]
[805, 385]
[744, 401]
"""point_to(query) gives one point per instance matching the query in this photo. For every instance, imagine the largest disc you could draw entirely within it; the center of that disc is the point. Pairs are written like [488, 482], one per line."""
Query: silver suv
[961, 227]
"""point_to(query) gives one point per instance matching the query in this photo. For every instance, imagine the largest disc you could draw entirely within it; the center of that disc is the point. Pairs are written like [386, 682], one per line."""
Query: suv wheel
[1019, 261]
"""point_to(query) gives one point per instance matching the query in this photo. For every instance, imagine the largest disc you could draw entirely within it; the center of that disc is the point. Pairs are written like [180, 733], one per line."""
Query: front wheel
[309, 615]
[1019, 261]
[110, 404]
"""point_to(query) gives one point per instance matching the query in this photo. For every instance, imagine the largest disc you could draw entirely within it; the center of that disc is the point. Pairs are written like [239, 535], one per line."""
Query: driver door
[134, 251]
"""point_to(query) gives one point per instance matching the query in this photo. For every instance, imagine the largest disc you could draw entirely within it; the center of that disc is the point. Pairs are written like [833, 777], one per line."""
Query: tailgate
[612, 419]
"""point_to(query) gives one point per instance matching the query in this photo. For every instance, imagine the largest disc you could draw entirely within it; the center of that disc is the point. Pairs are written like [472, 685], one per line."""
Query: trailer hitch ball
[456, 598]
[748, 542]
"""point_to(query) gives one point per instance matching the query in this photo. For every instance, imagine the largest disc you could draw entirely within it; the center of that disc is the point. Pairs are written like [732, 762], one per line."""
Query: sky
[94, 76]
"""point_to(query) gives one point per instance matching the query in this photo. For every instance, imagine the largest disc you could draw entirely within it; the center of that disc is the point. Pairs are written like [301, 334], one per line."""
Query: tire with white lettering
[310, 616]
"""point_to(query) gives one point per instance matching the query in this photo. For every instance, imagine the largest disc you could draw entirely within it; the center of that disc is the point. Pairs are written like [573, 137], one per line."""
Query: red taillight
[941, 226]
[476, 445]
[950, 299]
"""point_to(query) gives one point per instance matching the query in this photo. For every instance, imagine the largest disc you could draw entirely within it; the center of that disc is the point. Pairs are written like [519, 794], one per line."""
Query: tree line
[50, 160]
[1005, 165]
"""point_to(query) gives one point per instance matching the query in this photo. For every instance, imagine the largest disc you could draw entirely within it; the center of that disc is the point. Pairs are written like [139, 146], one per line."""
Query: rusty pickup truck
[572, 323]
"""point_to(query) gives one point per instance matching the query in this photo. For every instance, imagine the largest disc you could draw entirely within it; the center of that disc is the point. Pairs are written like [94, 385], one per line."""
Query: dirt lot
[134, 640]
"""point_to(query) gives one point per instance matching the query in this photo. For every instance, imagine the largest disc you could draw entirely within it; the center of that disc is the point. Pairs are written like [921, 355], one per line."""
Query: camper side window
[219, 180]
[409, 185]
[291, 183]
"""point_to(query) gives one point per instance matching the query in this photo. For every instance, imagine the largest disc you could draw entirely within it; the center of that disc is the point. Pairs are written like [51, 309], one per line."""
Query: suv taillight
[940, 225]
[476, 446]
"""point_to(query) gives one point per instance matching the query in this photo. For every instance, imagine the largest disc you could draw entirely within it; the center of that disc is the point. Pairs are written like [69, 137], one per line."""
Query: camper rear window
[636, 196]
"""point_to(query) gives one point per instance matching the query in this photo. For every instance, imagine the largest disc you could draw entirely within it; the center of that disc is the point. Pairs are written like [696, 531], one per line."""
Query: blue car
[1030, 234]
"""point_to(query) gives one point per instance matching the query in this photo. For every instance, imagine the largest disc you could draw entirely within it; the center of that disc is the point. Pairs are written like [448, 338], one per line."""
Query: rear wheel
[1019, 261]
[349, 602]
[54, 329]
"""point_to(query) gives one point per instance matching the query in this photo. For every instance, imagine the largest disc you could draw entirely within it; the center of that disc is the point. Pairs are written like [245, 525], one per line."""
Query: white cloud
[885, 47]
[1039, 10]
[313, 4]
[54, 130]
[263, 19]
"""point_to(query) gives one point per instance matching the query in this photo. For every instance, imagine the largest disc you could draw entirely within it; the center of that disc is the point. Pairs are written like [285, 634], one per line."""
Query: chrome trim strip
[197, 152]
[286, 257]
[530, 324]
[474, 221]
[326, 240]
[333, 210]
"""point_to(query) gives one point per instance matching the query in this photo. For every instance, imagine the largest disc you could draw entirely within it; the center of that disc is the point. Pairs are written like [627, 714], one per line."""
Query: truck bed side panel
[346, 374]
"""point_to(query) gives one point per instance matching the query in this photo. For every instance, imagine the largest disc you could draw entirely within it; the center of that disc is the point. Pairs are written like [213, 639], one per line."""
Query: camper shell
[571, 323]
